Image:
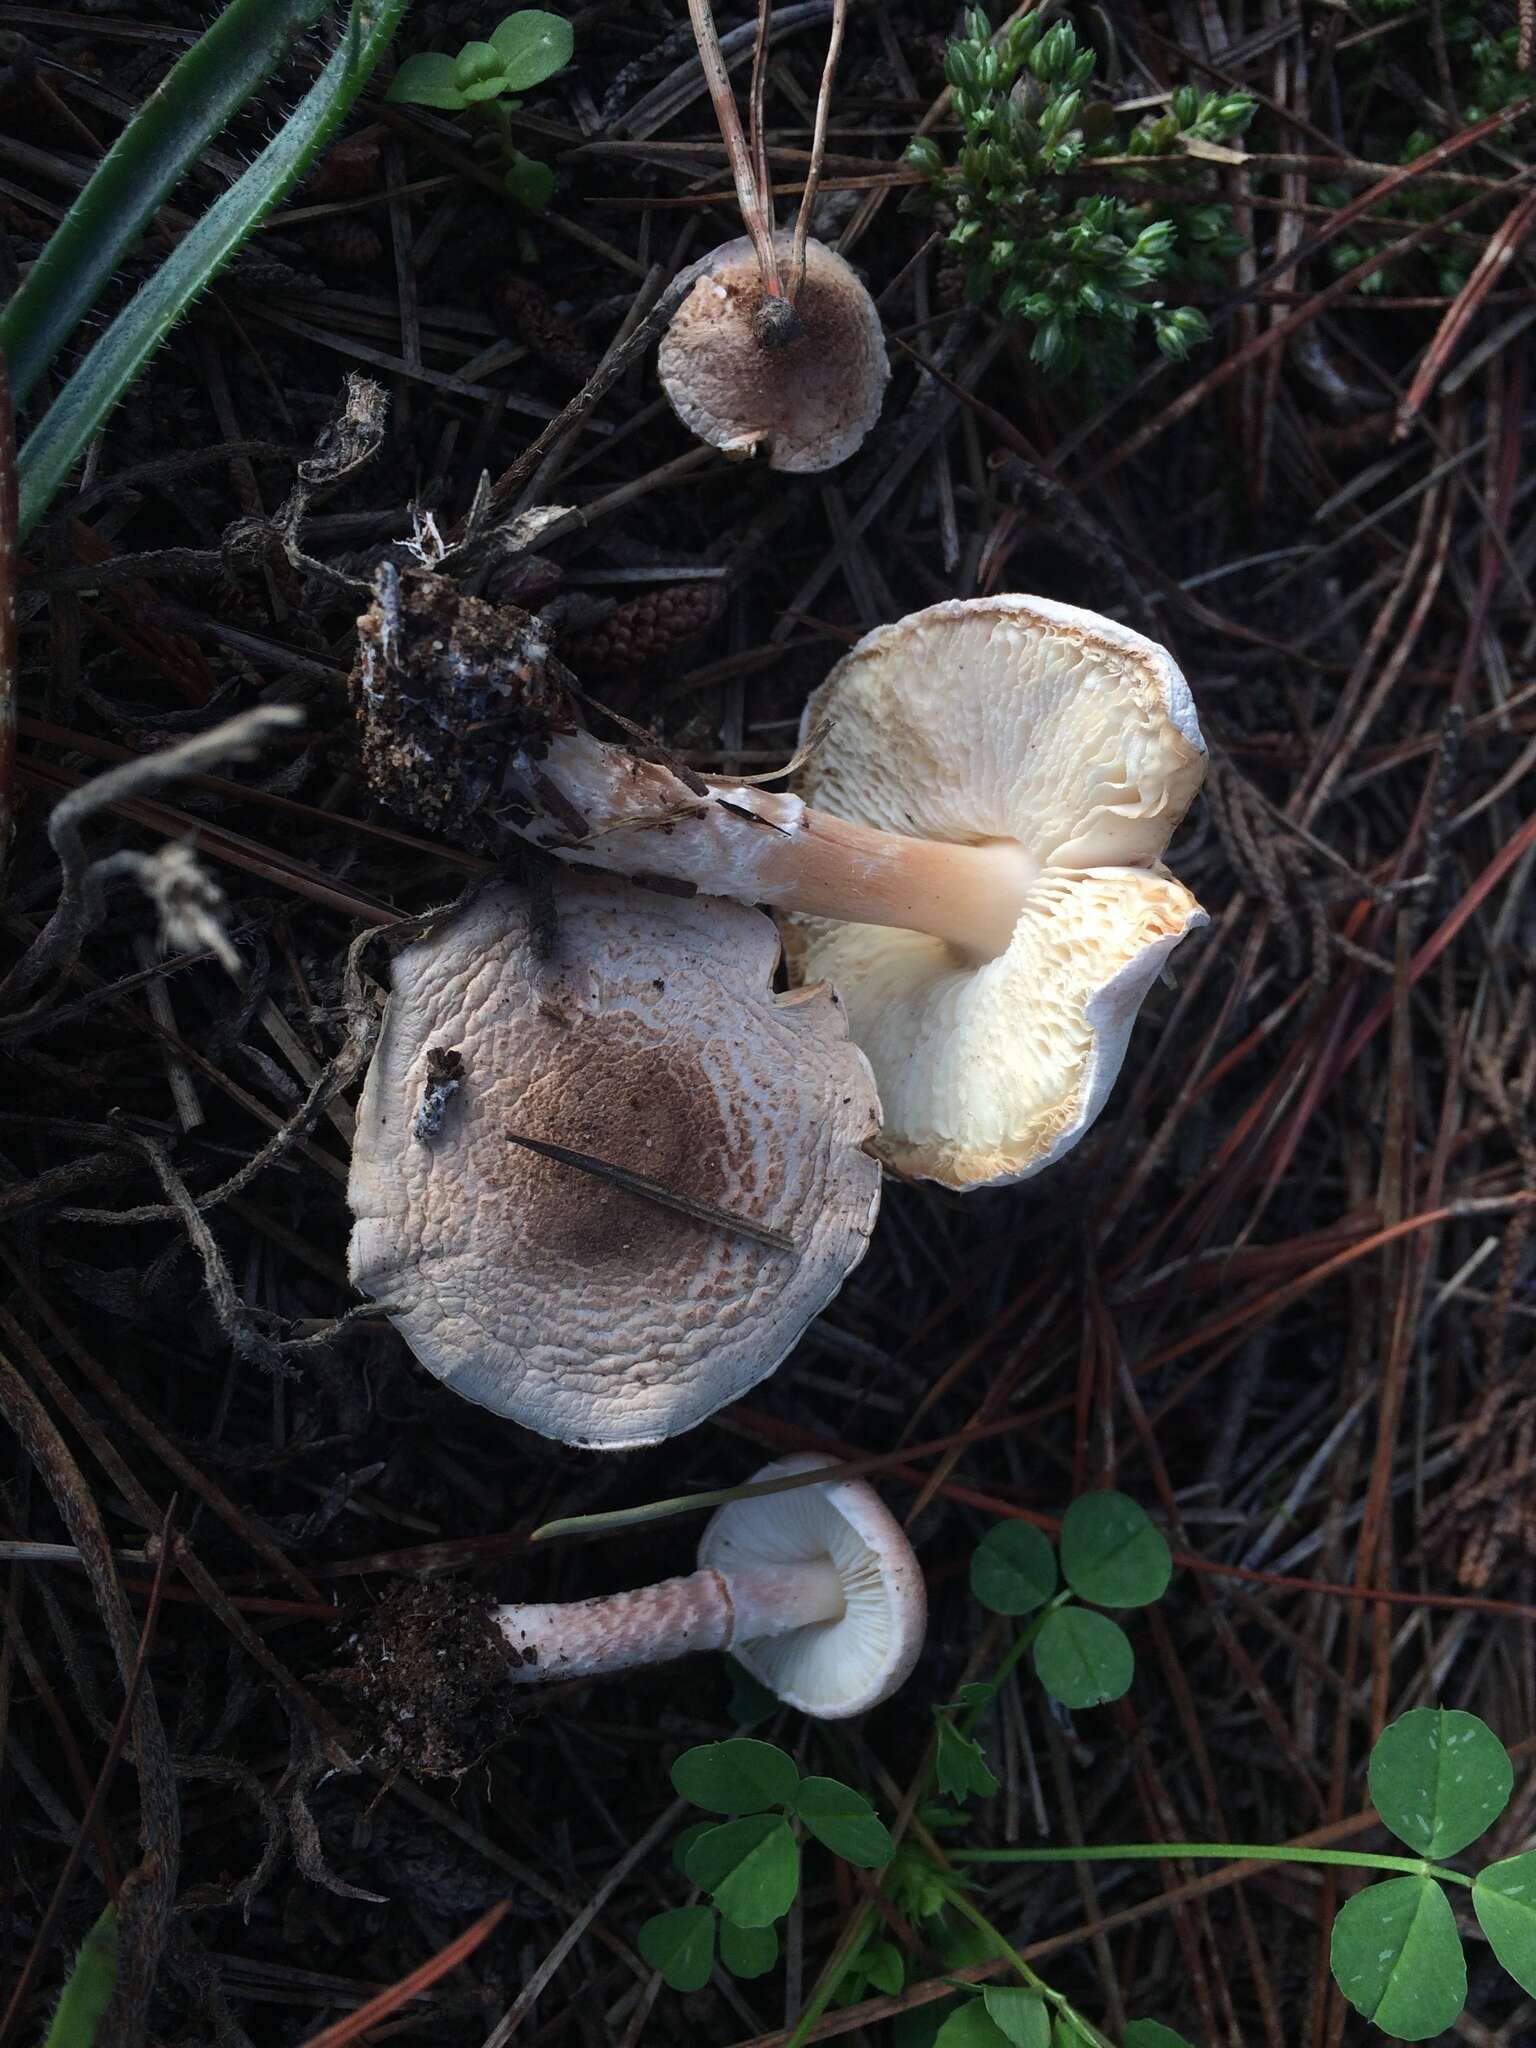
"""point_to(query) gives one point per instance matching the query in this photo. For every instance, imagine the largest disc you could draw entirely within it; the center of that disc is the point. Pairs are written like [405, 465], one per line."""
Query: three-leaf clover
[748, 1861]
[1438, 1779]
[1112, 1556]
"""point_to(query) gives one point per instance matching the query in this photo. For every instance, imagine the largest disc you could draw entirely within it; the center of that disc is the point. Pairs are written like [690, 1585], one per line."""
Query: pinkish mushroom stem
[708, 1610]
[762, 847]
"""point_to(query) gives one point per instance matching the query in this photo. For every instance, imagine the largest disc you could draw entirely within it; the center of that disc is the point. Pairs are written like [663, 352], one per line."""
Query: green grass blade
[59, 439]
[88, 1989]
[164, 139]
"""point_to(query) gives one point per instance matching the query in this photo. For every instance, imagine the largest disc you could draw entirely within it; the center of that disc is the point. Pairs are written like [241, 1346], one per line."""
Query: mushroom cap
[809, 402]
[652, 1041]
[830, 1669]
[1006, 719]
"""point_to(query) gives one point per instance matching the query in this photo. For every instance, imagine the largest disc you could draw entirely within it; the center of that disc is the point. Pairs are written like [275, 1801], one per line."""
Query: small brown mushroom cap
[651, 1041]
[1020, 722]
[807, 403]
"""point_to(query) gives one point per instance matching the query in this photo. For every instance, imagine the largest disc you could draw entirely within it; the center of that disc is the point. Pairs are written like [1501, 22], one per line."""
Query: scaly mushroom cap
[651, 1041]
[1008, 719]
[830, 1668]
[808, 403]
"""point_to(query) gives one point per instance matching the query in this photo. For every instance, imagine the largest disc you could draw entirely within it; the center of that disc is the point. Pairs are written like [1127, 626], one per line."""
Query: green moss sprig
[1081, 268]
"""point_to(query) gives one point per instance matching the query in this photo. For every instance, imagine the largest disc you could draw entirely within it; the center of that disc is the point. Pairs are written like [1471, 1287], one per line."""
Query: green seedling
[1439, 1779]
[748, 1861]
[520, 53]
[1082, 269]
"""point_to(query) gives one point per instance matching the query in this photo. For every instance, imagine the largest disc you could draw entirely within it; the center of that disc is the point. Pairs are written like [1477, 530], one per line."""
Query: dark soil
[1282, 1294]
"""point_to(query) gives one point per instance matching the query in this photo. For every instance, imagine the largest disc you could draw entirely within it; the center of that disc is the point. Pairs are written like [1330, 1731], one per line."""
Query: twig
[818, 150]
[57, 945]
[755, 216]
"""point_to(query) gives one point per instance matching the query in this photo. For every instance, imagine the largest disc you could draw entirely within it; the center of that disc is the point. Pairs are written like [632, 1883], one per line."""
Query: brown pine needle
[654, 1191]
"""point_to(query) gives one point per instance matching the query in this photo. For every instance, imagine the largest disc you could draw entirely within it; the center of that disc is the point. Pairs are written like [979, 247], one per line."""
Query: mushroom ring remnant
[815, 1590]
[807, 402]
[1021, 723]
[652, 1041]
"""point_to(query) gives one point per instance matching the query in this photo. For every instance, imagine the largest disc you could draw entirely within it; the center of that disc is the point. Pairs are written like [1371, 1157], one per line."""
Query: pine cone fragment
[645, 632]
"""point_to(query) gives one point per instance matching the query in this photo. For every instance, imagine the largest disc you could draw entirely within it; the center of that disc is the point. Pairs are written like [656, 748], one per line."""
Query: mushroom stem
[708, 1610]
[762, 847]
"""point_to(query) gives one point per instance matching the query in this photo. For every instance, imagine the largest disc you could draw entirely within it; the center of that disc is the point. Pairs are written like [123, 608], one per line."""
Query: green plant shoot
[520, 53]
[1081, 268]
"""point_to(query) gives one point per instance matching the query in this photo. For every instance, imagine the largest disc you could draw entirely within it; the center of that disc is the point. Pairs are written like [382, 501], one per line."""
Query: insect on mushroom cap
[652, 1042]
[1022, 721]
[809, 396]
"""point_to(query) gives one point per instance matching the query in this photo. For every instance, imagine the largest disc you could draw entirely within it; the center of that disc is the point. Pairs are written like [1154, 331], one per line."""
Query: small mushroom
[808, 400]
[985, 790]
[815, 1590]
[721, 1189]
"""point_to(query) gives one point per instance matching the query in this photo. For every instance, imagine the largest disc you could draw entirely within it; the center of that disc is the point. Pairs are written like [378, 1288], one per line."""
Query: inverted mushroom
[973, 855]
[807, 401]
[652, 1044]
[815, 1590]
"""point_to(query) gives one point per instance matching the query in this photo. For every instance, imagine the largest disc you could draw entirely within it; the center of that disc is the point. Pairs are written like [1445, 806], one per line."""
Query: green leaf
[1021, 2017]
[1438, 1778]
[88, 1988]
[1397, 1958]
[843, 1821]
[1013, 1570]
[980, 1692]
[1111, 1554]
[737, 1776]
[959, 1765]
[60, 438]
[1152, 2034]
[681, 1945]
[919, 2026]
[429, 80]
[685, 1840]
[883, 1967]
[481, 89]
[971, 2027]
[1504, 1900]
[750, 1700]
[532, 46]
[750, 1867]
[748, 1951]
[1083, 1658]
[197, 97]
[529, 182]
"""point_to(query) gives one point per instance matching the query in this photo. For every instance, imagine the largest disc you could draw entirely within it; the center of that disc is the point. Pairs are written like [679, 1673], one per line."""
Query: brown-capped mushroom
[584, 1307]
[814, 1589]
[806, 401]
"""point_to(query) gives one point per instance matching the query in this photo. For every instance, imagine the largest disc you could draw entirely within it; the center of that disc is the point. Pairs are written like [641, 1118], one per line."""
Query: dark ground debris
[1282, 1294]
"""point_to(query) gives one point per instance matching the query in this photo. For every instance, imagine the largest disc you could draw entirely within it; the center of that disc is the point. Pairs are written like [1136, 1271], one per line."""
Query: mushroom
[815, 1590]
[604, 1193]
[985, 790]
[778, 345]
[807, 401]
